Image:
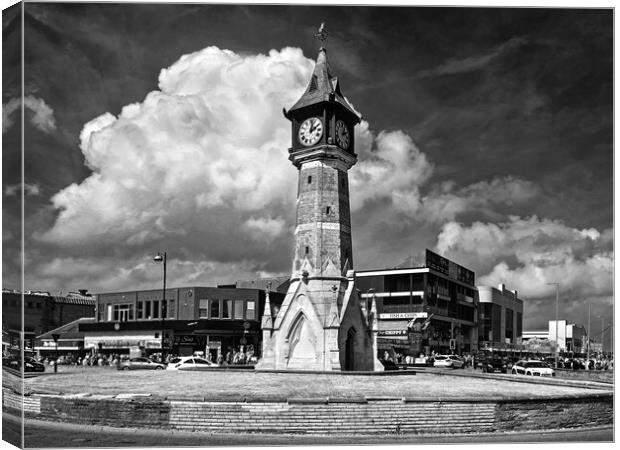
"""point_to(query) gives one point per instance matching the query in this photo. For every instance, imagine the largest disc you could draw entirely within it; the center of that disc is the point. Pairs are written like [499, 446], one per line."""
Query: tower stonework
[321, 324]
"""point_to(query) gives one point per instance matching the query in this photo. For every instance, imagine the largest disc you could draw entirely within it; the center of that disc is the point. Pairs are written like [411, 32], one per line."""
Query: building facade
[208, 320]
[500, 318]
[570, 337]
[423, 309]
[40, 313]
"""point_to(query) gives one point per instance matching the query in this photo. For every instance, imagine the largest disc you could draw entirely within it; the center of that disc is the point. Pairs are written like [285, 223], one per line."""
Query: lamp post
[588, 348]
[161, 257]
[557, 339]
[56, 337]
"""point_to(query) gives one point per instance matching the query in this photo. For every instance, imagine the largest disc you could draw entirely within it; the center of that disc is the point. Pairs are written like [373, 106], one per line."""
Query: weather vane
[322, 34]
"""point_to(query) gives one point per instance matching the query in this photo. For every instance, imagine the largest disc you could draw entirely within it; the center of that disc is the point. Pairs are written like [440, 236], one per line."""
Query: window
[155, 309]
[122, 312]
[203, 308]
[327, 210]
[307, 249]
[171, 313]
[140, 310]
[147, 310]
[250, 312]
[309, 179]
[214, 309]
[227, 308]
[29, 305]
[238, 309]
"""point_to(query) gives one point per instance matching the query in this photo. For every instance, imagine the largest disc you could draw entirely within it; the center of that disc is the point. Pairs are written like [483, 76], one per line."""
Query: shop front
[127, 343]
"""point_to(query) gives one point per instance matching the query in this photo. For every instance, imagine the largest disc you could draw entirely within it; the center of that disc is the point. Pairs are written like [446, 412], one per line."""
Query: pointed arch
[302, 342]
[349, 352]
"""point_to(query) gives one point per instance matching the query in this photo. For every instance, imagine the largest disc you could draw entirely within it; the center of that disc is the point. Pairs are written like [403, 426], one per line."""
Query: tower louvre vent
[314, 85]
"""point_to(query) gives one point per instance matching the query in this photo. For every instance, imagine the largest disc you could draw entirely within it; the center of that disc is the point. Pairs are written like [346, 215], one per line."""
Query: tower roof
[323, 87]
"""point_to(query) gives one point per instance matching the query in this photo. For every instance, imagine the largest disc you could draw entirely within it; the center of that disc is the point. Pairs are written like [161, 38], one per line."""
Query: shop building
[40, 313]
[64, 340]
[570, 337]
[208, 320]
[500, 319]
[423, 309]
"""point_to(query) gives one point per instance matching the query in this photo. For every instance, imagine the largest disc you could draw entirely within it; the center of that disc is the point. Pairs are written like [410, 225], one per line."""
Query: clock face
[342, 134]
[310, 131]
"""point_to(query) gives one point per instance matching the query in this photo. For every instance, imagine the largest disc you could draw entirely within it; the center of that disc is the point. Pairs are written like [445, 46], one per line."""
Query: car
[189, 363]
[30, 364]
[491, 365]
[140, 364]
[449, 361]
[532, 368]
[388, 364]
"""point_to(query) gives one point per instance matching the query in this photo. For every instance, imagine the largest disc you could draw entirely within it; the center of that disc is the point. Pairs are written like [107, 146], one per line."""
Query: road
[41, 434]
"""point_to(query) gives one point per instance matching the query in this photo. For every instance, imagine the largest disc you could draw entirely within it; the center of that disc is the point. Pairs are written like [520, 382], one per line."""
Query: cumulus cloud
[528, 253]
[204, 151]
[390, 167]
[42, 116]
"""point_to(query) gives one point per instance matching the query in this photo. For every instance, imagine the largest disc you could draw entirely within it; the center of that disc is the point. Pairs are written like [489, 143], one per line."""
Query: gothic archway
[349, 350]
[301, 343]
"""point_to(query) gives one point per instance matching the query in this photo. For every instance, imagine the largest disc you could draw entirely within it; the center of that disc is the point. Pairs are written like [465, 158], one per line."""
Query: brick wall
[322, 415]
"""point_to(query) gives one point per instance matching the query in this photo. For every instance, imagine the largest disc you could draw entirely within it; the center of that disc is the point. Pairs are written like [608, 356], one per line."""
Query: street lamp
[557, 339]
[56, 336]
[161, 257]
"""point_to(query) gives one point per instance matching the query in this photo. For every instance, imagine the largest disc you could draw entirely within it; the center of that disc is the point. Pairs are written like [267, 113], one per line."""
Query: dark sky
[487, 137]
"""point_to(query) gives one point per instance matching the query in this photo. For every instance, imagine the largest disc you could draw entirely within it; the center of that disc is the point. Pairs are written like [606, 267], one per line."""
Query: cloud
[42, 116]
[485, 197]
[455, 66]
[391, 167]
[206, 152]
[29, 189]
[528, 253]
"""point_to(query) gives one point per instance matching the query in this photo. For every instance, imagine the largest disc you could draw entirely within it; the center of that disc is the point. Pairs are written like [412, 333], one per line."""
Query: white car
[450, 361]
[189, 363]
[532, 368]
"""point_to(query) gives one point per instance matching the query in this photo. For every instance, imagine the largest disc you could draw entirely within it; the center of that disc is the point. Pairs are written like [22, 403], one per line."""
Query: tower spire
[321, 35]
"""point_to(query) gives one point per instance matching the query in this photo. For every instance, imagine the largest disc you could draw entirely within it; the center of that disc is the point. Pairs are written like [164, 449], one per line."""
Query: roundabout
[249, 402]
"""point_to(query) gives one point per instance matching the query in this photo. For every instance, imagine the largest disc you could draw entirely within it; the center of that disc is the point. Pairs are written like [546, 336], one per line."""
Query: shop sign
[392, 332]
[406, 315]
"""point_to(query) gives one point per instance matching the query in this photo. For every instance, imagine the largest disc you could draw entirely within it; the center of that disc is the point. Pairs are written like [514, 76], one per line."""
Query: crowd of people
[231, 357]
[597, 362]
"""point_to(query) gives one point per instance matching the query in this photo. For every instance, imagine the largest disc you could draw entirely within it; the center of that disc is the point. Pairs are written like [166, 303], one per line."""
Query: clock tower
[322, 324]
[322, 149]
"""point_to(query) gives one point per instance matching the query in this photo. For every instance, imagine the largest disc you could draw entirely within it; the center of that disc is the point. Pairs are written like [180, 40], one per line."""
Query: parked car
[533, 368]
[491, 365]
[189, 363]
[388, 364]
[30, 365]
[140, 364]
[449, 361]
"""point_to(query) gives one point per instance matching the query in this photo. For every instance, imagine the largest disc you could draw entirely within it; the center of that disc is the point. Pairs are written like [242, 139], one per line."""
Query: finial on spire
[322, 34]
